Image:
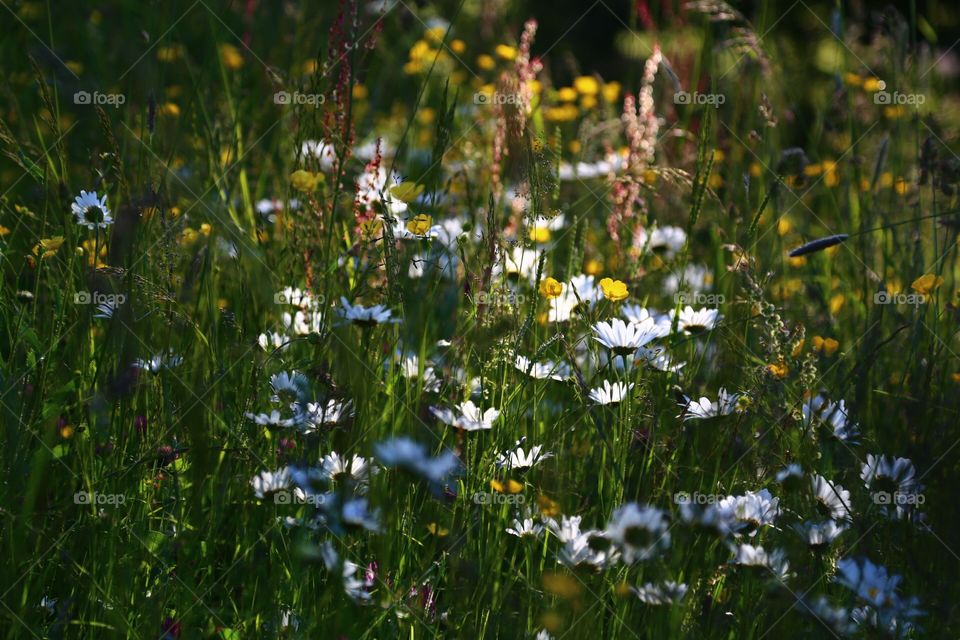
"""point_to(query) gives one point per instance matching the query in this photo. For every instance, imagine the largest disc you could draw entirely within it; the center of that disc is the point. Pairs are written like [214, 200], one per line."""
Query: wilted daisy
[520, 459]
[91, 211]
[610, 393]
[410, 368]
[658, 594]
[525, 528]
[624, 338]
[704, 408]
[832, 499]
[750, 556]
[819, 535]
[542, 370]
[791, 471]
[267, 483]
[697, 321]
[365, 316]
[639, 532]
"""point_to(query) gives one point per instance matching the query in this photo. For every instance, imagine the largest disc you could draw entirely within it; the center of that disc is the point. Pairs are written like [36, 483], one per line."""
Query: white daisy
[640, 532]
[820, 536]
[330, 413]
[357, 468]
[663, 240]
[269, 482]
[520, 459]
[832, 416]
[272, 419]
[752, 509]
[704, 408]
[542, 370]
[301, 322]
[582, 548]
[272, 340]
[832, 499]
[750, 556]
[473, 419]
[289, 387]
[408, 454]
[91, 211]
[525, 528]
[658, 594]
[610, 393]
[159, 362]
[624, 338]
[365, 316]
[697, 321]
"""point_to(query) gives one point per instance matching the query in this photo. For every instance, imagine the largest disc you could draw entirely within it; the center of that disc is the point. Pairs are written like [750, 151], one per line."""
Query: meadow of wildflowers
[479, 319]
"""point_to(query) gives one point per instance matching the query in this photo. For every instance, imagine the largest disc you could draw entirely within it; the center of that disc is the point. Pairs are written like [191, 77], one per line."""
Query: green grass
[182, 546]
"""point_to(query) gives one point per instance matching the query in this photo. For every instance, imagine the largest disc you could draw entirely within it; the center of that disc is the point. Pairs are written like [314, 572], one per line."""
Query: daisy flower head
[559, 371]
[749, 556]
[693, 322]
[704, 408]
[832, 416]
[91, 210]
[659, 594]
[267, 483]
[525, 528]
[753, 510]
[639, 532]
[665, 241]
[624, 338]
[832, 499]
[365, 316]
[330, 413]
[517, 459]
[610, 393]
[820, 536]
